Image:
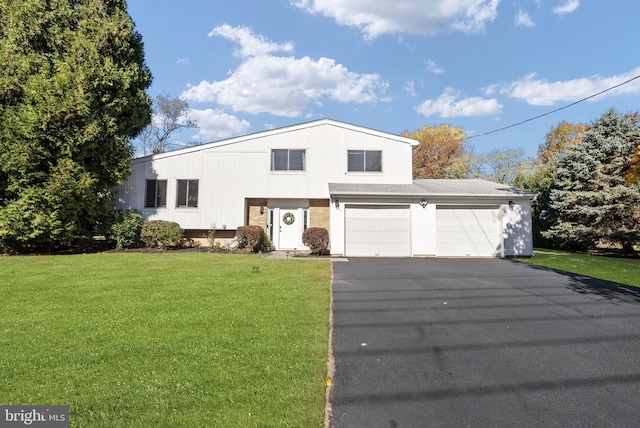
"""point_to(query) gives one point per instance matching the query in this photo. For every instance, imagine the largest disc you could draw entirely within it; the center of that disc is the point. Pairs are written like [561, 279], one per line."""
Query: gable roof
[432, 188]
[283, 130]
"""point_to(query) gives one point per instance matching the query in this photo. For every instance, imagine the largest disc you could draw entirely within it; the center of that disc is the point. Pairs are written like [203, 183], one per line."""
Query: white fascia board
[527, 196]
[516, 196]
[374, 195]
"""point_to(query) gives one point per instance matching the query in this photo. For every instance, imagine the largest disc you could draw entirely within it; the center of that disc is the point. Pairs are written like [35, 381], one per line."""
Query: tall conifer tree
[72, 96]
[590, 199]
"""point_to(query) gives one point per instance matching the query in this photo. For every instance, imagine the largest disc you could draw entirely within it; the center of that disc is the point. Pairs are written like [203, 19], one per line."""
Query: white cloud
[216, 124]
[432, 67]
[182, 61]
[569, 7]
[446, 106]
[476, 16]
[544, 93]
[491, 89]
[409, 88]
[524, 20]
[283, 85]
[375, 18]
[250, 43]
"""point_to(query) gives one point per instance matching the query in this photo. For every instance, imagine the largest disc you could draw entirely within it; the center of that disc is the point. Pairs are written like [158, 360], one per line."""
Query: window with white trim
[364, 160]
[187, 194]
[287, 160]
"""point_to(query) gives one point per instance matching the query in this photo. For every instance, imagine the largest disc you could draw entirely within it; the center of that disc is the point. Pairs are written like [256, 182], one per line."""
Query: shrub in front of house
[317, 239]
[123, 229]
[161, 233]
[250, 237]
[267, 243]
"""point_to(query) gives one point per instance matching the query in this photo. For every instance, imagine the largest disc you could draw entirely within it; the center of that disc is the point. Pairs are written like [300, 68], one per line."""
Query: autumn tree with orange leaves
[633, 173]
[558, 139]
[440, 152]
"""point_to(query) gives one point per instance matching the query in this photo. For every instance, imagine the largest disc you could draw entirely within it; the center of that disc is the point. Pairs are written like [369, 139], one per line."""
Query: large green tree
[72, 96]
[590, 199]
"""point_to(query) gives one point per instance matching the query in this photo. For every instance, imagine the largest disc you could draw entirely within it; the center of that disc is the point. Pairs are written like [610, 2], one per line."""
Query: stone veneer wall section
[319, 213]
[254, 216]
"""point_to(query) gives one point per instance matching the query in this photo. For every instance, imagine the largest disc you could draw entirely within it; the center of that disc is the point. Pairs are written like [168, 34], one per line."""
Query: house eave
[528, 196]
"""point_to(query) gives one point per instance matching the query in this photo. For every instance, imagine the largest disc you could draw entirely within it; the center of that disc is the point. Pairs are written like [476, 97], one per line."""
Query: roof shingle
[430, 187]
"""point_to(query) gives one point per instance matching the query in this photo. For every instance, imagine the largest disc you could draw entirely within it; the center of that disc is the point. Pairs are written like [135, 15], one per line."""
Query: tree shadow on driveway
[611, 291]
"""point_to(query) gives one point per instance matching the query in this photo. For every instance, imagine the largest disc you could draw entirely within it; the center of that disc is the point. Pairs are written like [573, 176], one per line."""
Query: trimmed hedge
[161, 233]
[317, 239]
[250, 237]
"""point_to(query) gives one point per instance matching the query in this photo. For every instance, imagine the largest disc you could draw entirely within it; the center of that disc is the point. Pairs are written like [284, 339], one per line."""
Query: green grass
[620, 270]
[166, 340]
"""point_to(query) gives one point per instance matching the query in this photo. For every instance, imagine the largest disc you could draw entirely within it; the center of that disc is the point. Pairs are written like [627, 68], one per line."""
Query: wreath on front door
[288, 218]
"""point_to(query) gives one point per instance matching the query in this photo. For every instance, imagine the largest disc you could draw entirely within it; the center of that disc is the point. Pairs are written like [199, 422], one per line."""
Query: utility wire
[554, 111]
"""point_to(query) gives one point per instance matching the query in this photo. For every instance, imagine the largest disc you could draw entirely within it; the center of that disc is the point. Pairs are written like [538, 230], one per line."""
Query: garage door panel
[377, 231]
[468, 232]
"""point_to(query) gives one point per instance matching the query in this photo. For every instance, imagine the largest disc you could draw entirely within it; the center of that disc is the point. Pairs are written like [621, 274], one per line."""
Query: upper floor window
[156, 194]
[365, 160]
[187, 194]
[287, 160]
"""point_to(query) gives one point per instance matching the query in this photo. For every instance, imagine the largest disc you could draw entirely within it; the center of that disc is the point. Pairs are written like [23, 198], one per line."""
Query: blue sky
[246, 66]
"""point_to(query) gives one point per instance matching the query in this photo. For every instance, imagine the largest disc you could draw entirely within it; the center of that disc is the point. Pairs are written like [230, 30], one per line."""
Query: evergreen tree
[590, 200]
[72, 96]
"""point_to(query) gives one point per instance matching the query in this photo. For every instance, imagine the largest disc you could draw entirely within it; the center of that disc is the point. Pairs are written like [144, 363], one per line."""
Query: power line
[554, 111]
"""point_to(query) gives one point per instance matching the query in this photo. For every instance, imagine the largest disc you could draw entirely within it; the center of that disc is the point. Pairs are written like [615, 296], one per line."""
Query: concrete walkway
[298, 254]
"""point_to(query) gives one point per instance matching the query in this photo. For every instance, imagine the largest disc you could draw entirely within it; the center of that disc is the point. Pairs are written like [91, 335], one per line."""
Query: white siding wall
[516, 228]
[423, 228]
[228, 172]
[336, 233]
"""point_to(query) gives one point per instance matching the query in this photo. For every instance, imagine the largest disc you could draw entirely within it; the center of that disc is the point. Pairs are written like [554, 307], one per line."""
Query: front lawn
[166, 340]
[620, 270]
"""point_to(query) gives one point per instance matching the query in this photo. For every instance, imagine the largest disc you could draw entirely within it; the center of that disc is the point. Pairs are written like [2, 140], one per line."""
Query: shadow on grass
[608, 290]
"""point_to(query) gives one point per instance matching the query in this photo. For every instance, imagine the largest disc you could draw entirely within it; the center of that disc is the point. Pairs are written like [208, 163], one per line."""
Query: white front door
[290, 223]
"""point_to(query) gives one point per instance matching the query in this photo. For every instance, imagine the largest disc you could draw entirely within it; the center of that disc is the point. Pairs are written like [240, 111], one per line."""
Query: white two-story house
[355, 182]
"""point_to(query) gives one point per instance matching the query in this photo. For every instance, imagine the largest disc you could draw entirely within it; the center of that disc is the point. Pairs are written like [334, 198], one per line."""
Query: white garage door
[468, 231]
[377, 231]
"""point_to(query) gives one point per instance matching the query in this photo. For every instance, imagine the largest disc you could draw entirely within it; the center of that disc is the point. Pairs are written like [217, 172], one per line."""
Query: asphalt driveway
[481, 343]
